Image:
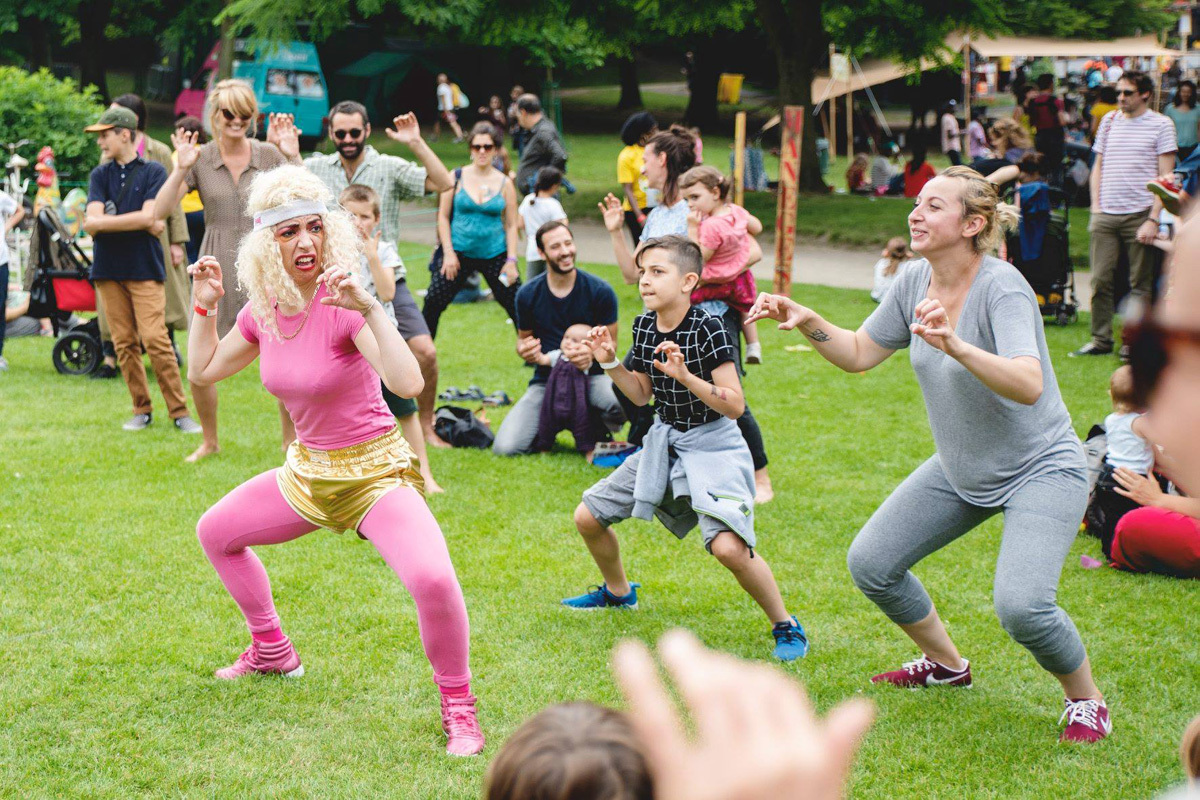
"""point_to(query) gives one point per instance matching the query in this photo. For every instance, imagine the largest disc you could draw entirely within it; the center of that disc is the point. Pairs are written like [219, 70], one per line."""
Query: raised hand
[932, 323]
[186, 149]
[674, 367]
[784, 310]
[345, 290]
[530, 349]
[207, 289]
[614, 216]
[283, 133]
[599, 341]
[406, 129]
[757, 737]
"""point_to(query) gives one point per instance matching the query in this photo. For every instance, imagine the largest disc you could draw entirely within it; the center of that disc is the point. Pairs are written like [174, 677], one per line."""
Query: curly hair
[260, 270]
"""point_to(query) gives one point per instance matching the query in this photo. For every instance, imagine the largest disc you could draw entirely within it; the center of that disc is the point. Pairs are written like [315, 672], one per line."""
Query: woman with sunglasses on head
[477, 227]
[1005, 444]
[324, 344]
[221, 171]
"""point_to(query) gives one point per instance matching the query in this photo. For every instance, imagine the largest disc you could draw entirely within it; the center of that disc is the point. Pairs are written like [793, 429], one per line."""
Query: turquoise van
[286, 79]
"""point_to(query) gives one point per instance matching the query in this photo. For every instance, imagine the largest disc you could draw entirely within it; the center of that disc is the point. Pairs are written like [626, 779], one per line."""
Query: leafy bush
[39, 107]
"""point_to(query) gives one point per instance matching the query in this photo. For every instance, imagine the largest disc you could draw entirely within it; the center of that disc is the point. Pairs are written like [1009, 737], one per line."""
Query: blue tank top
[477, 229]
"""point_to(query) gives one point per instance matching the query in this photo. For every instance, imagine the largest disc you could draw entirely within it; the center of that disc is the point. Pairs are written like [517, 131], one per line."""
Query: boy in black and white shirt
[694, 468]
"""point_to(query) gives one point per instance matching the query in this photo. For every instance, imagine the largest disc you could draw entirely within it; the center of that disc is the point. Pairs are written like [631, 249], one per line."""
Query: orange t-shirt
[915, 181]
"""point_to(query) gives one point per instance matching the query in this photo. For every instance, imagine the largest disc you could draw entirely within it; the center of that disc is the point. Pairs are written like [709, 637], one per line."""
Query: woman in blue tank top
[477, 228]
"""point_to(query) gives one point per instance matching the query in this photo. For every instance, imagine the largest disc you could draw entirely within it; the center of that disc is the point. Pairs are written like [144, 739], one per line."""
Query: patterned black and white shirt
[705, 346]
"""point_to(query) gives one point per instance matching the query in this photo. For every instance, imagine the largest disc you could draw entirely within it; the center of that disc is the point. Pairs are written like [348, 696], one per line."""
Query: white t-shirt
[1131, 147]
[883, 282]
[950, 134]
[390, 259]
[445, 96]
[8, 207]
[1125, 448]
[537, 211]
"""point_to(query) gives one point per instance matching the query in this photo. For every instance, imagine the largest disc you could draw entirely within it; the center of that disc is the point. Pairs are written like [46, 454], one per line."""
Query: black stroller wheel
[76, 354]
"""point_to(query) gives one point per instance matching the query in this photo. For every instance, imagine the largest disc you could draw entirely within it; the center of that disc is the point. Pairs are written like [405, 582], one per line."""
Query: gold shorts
[336, 488]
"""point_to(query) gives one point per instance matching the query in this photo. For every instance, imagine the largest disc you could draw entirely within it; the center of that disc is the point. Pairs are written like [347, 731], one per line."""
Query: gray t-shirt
[989, 446]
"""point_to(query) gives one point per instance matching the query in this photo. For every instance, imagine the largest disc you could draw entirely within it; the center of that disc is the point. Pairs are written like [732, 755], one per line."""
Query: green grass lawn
[112, 619]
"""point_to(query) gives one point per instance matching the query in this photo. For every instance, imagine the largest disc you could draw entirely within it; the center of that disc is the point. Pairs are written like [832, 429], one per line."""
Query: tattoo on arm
[818, 335]
[718, 393]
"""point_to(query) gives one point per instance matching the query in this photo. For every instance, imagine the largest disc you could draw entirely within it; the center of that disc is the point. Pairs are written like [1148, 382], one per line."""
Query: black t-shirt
[705, 346]
[591, 302]
[128, 255]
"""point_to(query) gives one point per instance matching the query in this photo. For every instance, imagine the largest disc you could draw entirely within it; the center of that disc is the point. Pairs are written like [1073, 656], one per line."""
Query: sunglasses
[230, 116]
[1127, 92]
[483, 148]
[353, 133]
[1148, 342]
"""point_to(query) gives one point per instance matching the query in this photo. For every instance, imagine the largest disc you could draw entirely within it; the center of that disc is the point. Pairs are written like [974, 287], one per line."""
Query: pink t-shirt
[327, 386]
[727, 237]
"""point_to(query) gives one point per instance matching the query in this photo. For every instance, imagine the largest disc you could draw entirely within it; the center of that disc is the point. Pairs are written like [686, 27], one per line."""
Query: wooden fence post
[789, 179]
[739, 158]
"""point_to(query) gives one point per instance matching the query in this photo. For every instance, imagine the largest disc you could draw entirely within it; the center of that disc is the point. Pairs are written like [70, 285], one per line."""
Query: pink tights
[401, 527]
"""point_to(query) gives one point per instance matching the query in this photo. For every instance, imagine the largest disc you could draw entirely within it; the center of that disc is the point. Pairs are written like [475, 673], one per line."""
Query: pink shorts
[740, 293]
[450, 116]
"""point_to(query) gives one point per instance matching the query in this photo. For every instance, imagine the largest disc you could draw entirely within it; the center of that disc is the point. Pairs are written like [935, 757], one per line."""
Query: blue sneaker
[601, 597]
[790, 640]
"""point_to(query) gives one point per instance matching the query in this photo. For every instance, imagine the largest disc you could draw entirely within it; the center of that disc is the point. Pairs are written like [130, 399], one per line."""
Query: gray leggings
[924, 514]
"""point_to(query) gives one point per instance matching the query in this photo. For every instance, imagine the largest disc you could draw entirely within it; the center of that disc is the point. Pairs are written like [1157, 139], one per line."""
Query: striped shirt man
[1130, 147]
[393, 178]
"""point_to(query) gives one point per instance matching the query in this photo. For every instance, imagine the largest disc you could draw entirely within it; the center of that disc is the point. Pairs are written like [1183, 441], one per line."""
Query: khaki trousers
[134, 310]
[1111, 233]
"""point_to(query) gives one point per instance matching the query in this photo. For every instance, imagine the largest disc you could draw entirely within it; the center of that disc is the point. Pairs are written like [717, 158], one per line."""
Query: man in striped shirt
[1133, 146]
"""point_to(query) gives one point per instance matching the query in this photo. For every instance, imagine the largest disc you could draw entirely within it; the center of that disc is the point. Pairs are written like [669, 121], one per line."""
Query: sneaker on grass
[104, 372]
[1087, 721]
[791, 642]
[265, 658]
[1091, 349]
[138, 422]
[924, 673]
[188, 425]
[461, 724]
[3, 364]
[600, 597]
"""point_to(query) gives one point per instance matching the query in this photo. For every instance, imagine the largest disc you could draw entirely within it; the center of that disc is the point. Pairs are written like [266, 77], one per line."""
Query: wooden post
[832, 108]
[850, 124]
[785, 214]
[968, 80]
[739, 158]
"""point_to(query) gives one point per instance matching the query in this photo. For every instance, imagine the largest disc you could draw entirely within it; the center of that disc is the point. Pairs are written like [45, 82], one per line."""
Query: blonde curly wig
[260, 270]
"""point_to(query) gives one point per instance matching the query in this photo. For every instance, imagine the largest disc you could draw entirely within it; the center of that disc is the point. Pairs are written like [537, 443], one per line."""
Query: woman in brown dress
[221, 171]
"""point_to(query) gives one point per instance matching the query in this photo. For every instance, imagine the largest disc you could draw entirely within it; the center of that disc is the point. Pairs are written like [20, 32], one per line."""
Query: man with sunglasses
[1133, 146]
[394, 180]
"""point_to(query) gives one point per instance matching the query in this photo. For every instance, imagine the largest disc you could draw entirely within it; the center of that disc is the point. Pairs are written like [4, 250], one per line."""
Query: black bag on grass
[460, 428]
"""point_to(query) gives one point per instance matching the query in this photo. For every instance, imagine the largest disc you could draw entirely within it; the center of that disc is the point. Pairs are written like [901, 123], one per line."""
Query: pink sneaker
[463, 736]
[1087, 721]
[267, 658]
[922, 673]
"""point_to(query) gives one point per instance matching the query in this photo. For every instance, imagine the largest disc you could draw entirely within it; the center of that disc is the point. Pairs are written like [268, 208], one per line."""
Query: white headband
[271, 217]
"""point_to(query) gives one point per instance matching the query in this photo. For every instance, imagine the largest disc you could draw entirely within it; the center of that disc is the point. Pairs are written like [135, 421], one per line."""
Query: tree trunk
[39, 43]
[93, 19]
[797, 35]
[225, 54]
[702, 109]
[631, 90]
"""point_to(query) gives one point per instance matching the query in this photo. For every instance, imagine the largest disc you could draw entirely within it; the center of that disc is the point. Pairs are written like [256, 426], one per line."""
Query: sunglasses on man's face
[483, 148]
[1126, 92]
[230, 116]
[1148, 342]
[353, 133]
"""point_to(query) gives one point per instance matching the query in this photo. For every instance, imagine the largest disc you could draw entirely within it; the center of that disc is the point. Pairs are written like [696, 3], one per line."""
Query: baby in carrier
[565, 406]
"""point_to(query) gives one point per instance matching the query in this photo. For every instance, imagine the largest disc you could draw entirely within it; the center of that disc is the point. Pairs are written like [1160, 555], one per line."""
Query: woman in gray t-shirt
[1004, 443]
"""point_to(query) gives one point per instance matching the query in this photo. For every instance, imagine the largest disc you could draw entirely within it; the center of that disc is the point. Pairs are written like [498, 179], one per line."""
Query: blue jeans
[1189, 172]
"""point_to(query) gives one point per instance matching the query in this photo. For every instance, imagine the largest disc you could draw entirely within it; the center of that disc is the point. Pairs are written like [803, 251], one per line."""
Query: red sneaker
[1168, 189]
[1087, 721]
[266, 658]
[463, 736]
[924, 673]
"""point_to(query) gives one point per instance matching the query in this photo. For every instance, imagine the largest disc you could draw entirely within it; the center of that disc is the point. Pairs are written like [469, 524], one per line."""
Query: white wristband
[611, 364]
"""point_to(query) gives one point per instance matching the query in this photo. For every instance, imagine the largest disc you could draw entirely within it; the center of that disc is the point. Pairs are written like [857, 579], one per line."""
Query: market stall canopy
[876, 71]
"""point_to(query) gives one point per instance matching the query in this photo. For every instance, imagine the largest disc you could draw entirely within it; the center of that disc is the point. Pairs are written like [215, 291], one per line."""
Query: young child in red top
[723, 230]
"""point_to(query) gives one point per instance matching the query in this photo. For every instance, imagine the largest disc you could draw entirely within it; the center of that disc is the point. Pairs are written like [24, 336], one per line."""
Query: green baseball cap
[114, 117]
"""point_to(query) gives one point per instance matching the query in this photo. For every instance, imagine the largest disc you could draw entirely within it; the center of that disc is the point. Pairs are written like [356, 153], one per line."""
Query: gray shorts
[610, 500]
[409, 319]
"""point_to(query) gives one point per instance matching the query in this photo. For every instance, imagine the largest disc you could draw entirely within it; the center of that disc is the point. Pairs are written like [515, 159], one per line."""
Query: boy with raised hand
[694, 467]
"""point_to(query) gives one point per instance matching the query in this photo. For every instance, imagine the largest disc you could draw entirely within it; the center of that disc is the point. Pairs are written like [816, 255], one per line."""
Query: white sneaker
[138, 422]
[188, 425]
[754, 353]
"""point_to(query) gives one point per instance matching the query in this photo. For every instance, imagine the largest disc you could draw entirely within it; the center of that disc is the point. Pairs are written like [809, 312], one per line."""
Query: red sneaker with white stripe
[1087, 721]
[266, 658]
[924, 673]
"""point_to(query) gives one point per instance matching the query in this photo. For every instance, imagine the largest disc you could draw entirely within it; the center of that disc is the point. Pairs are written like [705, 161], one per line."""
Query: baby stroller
[1045, 258]
[61, 283]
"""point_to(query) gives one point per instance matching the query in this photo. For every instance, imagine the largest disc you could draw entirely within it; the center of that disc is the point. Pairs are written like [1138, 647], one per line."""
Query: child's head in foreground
[362, 204]
[571, 751]
[1122, 391]
[668, 270]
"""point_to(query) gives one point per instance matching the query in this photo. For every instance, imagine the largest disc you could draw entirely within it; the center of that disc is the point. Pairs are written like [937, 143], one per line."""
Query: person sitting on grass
[857, 179]
[565, 406]
[694, 467]
[724, 231]
[382, 270]
[918, 171]
[894, 254]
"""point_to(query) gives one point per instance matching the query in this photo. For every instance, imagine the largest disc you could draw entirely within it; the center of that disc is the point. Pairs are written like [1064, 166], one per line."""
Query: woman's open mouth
[305, 262]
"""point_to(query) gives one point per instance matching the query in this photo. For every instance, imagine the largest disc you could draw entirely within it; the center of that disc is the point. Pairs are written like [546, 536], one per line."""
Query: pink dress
[725, 274]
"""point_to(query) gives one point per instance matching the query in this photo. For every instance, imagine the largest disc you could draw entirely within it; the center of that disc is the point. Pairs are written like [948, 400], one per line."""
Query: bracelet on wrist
[510, 260]
[201, 311]
[606, 365]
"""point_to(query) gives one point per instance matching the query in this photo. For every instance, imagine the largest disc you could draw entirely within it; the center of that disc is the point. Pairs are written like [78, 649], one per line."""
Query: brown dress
[225, 217]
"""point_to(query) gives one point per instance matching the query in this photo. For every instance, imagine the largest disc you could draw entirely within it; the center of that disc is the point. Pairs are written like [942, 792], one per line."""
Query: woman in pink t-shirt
[725, 232]
[323, 344]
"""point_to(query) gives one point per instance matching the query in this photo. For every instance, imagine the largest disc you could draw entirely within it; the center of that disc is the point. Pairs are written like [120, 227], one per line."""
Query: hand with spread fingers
[614, 215]
[757, 735]
[186, 148]
[345, 290]
[674, 366]
[599, 341]
[1141, 489]
[784, 310]
[207, 289]
[283, 133]
[933, 325]
[405, 130]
